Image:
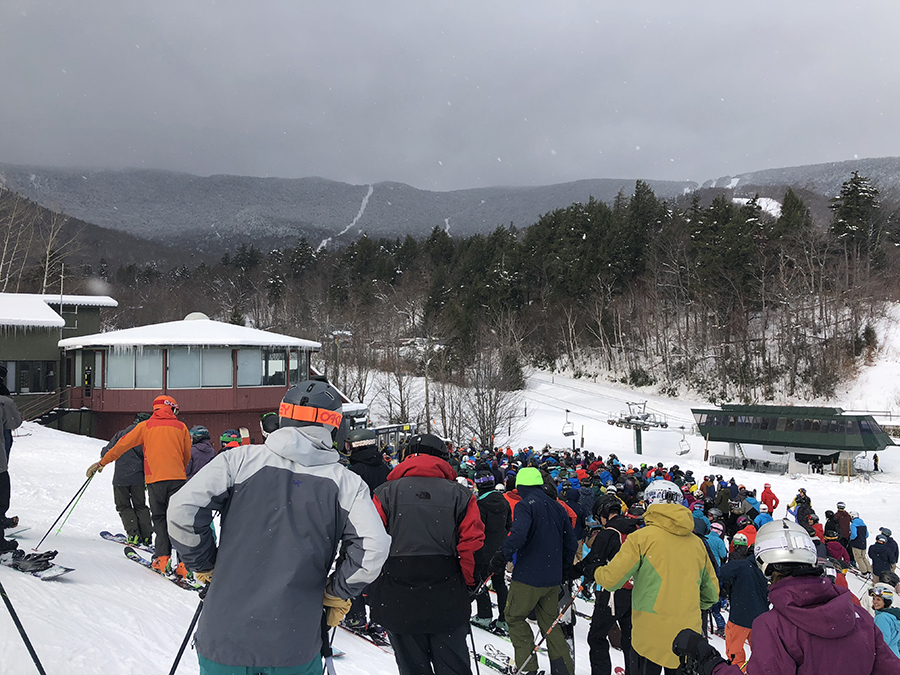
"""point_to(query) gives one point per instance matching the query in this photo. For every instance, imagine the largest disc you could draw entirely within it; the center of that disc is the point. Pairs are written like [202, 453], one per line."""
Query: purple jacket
[201, 454]
[814, 628]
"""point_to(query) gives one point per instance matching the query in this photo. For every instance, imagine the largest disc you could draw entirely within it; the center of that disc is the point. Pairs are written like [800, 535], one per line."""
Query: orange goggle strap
[303, 413]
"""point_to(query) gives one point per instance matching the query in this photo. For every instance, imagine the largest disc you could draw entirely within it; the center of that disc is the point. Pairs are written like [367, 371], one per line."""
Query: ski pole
[77, 495]
[21, 629]
[474, 651]
[73, 508]
[327, 652]
[190, 630]
[571, 602]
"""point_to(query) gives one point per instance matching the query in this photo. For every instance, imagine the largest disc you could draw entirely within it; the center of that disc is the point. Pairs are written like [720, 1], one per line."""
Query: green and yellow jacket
[673, 580]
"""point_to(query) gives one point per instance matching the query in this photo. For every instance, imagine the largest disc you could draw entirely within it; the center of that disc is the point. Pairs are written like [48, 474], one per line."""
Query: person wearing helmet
[763, 517]
[542, 541]
[769, 499]
[361, 448]
[610, 609]
[167, 452]
[887, 617]
[202, 451]
[813, 627]
[497, 518]
[742, 582]
[268, 422]
[422, 595]
[291, 506]
[892, 546]
[843, 518]
[746, 528]
[880, 555]
[128, 487]
[230, 438]
[859, 533]
[674, 578]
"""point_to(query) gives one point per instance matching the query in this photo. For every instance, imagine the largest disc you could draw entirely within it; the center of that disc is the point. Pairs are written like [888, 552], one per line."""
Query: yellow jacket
[674, 579]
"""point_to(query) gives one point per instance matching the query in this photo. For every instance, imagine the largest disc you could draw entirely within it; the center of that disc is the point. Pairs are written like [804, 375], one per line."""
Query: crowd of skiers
[319, 528]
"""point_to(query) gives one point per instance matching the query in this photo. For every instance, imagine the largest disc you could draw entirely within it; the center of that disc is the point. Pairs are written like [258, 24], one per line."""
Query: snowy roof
[79, 300]
[193, 332]
[25, 309]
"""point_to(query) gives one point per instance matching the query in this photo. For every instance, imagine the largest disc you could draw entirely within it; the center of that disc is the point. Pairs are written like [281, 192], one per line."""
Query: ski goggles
[881, 593]
[308, 414]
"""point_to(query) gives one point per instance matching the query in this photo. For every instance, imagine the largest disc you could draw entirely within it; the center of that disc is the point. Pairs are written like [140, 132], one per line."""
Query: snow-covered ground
[112, 616]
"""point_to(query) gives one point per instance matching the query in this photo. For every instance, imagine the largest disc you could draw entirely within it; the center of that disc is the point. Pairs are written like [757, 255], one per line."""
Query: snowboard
[187, 585]
[122, 539]
[245, 435]
[38, 565]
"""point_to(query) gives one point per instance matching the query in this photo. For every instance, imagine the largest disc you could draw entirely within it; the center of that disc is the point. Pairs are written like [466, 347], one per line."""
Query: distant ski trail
[359, 214]
[447, 225]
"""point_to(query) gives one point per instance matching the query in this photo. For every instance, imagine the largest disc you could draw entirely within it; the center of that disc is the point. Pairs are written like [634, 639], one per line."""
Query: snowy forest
[715, 297]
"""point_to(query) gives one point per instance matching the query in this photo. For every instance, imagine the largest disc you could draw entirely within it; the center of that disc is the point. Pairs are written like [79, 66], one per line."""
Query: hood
[163, 412]
[814, 605]
[673, 518]
[368, 456]
[493, 502]
[422, 466]
[309, 446]
[205, 447]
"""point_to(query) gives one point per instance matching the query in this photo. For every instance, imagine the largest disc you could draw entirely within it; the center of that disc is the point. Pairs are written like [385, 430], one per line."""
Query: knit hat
[529, 476]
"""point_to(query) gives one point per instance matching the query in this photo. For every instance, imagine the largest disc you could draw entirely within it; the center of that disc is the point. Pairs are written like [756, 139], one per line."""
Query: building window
[274, 367]
[29, 377]
[120, 370]
[249, 367]
[300, 366]
[183, 369]
[217, 368]
[134, 370]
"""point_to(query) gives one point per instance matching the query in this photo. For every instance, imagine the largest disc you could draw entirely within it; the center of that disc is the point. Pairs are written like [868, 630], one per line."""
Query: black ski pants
[133, 511]
[602, 621]
[159, 494]
[483, 601]
[432, 653]
[641, 665]
[4, 494]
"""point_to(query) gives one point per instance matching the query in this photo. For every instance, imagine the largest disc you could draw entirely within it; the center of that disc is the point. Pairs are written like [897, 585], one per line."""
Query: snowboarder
[128, 487]
[167, 451]
[422, 595]
[268, 585]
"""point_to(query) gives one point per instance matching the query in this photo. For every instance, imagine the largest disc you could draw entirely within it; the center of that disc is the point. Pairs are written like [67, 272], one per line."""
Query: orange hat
[164, 400]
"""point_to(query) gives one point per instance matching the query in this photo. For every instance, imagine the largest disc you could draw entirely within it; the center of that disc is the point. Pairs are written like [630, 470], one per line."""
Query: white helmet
[854, 515]
[783, 541]
[763, 508]
[740, 539]
[662, 492]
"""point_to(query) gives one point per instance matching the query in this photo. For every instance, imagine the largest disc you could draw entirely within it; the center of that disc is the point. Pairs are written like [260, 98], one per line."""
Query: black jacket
[607, 543]
[747, 588]
[497, 518]
[369, 465]
[129, 469]
[881, 558]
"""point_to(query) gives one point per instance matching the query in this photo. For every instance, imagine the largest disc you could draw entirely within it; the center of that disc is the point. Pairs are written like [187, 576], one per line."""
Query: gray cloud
[445, 94]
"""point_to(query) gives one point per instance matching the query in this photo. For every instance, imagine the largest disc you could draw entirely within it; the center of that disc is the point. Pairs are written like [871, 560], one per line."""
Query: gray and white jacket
[287, 506]
[10, 418]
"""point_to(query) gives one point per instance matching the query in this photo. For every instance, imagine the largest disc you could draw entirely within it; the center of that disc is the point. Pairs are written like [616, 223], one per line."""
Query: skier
[858, 535]
[887, 618]
[497, 518]
[813, 627]
[608, 611]
[365, 460]
[202, 451]
[747, 590]
[844, 520]
[769, 499]
[10, 418]
[543, 543]
[763, 517]
[674, 579]
[422, 595]
[892, 546]
[268, 584]
[128, 487]
[167, 451]
[880, 555]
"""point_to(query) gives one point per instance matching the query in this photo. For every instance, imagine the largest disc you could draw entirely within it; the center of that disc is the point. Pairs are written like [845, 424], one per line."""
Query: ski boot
[7, 545]
[481, 623]
[182, 571]
[354, 622]
[500, 627]
[161, 564]
[33, 562]
[376, 630]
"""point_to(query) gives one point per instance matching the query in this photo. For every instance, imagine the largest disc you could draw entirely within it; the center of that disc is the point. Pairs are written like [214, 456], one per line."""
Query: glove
[335, 609]
[96, 467]
[575, 571]
[692, 649]
[498, 562]
[204, 577]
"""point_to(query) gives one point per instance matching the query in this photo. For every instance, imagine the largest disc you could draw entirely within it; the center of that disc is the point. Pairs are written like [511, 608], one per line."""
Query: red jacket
[769, 499]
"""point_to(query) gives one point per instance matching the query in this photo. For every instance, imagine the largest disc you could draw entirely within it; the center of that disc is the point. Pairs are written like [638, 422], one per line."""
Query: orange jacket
[167, 446]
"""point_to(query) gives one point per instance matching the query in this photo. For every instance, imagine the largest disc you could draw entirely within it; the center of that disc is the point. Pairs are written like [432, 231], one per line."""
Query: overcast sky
[446, 94]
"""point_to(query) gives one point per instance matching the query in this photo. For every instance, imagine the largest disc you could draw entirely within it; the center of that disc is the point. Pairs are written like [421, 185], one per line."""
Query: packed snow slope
[111, 616]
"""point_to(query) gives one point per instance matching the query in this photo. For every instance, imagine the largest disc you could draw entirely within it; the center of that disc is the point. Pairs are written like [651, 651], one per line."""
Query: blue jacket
[858, 534]
[747, 588]
[889, 624]
[754, 502]
[541, 539]
[717, 546]
[762, 519]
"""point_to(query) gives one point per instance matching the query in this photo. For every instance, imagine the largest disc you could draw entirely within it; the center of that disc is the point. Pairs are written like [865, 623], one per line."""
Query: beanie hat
[529, 476]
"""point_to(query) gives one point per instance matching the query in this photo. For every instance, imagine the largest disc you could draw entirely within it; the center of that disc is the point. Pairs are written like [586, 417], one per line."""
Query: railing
[745, 464]
[41, 405]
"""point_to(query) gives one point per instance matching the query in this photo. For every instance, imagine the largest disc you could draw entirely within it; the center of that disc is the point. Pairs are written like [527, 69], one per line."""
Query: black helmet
[314, 403]
[360, 439]
[484, 480]
[199, 433]
[890, 578]
[268, 423]
[606, 506]
[427, 444]
[143, 417]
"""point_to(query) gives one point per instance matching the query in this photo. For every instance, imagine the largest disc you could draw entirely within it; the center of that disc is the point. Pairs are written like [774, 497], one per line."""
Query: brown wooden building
[222, 375]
